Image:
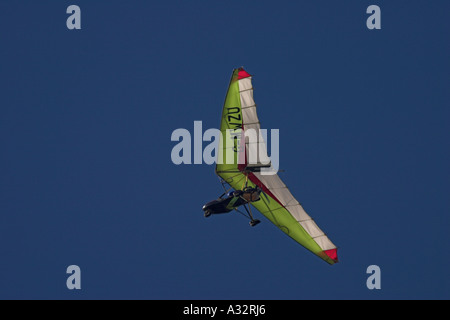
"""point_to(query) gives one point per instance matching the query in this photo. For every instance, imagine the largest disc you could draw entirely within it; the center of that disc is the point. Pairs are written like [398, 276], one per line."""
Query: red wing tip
[242, 74]
[332, 254]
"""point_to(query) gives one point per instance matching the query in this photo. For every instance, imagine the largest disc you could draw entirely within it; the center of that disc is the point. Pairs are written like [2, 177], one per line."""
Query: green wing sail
[231, 128]
[276, 203]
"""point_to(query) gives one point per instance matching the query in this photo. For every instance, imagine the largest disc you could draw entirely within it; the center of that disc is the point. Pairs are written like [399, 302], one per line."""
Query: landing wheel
[207, 213]
[254, 222]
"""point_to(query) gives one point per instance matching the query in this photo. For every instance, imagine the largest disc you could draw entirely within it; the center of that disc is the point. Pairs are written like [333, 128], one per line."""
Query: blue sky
[86, 176]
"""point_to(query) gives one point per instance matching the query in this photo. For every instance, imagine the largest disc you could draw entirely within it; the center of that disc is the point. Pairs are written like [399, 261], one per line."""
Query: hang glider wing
[241, 158]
